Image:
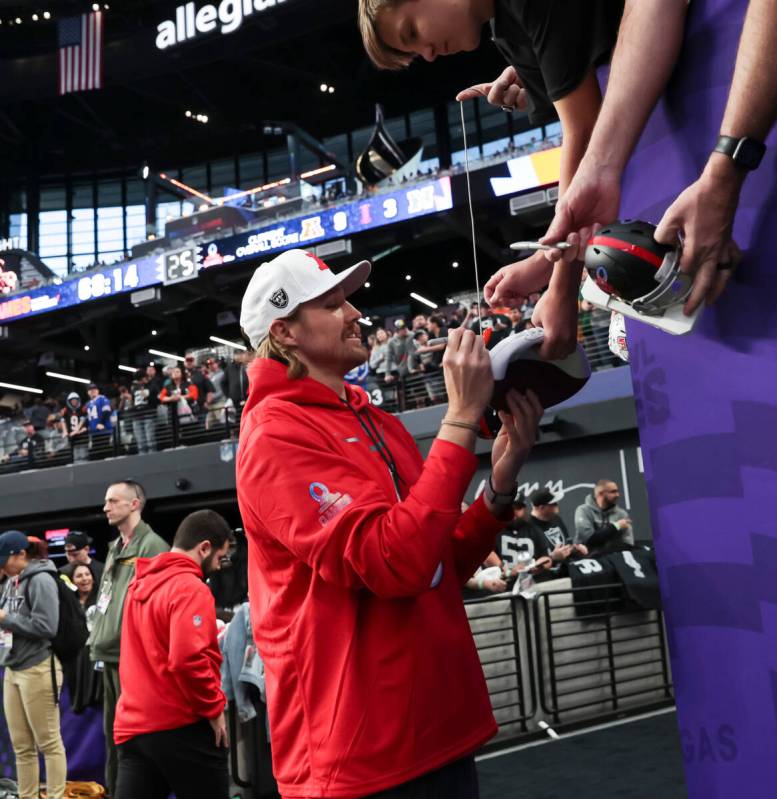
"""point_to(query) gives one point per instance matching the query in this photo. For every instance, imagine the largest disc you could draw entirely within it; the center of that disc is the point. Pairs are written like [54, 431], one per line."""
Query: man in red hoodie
[358, 548]
[169, 725]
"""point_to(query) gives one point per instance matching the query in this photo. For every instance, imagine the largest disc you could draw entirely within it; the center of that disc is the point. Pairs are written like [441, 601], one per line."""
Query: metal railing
[165, 427]
[549, 659]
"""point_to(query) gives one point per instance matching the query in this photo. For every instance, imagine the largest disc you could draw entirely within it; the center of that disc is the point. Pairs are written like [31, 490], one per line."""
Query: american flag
[81, 53]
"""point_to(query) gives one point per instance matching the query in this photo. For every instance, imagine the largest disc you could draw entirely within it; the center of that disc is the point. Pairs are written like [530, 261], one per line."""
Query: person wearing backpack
[124, 503]
[29, 622]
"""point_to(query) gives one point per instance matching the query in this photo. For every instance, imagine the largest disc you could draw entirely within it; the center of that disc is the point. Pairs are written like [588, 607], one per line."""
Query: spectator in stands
[237, 379]
[38, 413]
[143, 413]
[77, 546]
[124, 503]
[400, 346]
[205, 390]
[181, 395]
[419, 322]
[98, 413]
[600, 524]
[546, 520]
[215, 374]
[379, 353]
[29, 449]
[437, 327]
[155, 385]
[54, 443]
[170, 728]
[364, 549]
[74, 428]
[29, 616]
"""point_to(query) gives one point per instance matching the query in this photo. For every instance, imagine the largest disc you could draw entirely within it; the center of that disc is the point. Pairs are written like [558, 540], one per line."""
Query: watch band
[495, 498]
[745, 152]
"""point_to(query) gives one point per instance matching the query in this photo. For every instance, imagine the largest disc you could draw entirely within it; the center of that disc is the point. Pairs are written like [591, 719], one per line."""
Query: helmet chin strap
[471, 210]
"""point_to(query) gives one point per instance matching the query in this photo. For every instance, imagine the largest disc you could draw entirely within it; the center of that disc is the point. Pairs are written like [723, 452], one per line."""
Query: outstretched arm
[705, 211]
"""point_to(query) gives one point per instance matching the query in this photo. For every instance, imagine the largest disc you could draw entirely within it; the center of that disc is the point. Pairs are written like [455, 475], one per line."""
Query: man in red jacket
[169, 725]
[358, 548]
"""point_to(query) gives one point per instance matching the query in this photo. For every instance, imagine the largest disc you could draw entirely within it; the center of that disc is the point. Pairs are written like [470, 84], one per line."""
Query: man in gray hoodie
[600, 524]
[29, 617]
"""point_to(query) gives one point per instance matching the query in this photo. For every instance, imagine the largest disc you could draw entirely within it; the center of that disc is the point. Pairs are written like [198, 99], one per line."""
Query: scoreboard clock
[178, 266]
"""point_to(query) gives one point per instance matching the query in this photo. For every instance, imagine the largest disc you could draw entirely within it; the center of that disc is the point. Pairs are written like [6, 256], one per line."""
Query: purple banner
[707, 408]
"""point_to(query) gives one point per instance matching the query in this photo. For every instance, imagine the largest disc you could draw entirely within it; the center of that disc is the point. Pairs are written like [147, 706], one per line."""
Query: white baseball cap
[279, 286]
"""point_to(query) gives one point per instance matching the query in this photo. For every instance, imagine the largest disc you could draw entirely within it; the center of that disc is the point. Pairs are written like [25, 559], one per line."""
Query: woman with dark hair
[83, 682]
[29, 616]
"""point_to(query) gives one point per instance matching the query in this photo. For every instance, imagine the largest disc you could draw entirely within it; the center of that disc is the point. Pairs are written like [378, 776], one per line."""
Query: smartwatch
[744, 152]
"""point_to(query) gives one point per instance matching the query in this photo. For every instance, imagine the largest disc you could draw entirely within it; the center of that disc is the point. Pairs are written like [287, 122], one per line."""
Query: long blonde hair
[270, 347]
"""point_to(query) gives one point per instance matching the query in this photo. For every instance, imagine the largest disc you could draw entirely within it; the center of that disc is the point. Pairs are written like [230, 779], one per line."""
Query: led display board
[303, 231]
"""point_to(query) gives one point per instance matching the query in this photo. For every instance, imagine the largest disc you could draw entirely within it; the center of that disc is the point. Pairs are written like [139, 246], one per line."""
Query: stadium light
[145, 172]
[455, 264]
[169, 355]
[127, 368]
[408, 277]
[46, 15]
[18, 20]
[153, 332]
[364, 321]
[22, 388]
[34, 17]
[323, 87]
[69, 377]
[226, 343]
[95, 6]
[423, 300]
[86, 348]
[367, 284]
[331, 90]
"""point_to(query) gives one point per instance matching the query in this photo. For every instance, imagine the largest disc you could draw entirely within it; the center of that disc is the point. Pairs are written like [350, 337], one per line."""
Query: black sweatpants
[184, 761]
[457, 780]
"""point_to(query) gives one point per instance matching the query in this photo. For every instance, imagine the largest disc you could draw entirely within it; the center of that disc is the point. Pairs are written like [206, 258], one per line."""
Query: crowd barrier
[544, 664]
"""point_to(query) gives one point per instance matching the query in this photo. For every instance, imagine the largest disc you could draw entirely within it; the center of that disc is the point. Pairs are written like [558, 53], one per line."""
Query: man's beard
[210, 565]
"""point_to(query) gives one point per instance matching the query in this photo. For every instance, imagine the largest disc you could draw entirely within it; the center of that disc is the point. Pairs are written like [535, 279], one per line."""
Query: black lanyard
[370, 428]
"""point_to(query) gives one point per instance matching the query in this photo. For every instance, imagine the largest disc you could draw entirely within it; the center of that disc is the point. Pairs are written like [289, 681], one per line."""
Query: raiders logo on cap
[279, 298]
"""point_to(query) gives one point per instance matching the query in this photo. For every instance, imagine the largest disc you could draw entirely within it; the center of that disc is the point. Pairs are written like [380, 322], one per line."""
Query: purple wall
[707, 407]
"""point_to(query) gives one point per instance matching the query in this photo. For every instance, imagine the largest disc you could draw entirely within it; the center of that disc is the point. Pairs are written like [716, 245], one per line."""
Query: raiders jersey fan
[74, 416]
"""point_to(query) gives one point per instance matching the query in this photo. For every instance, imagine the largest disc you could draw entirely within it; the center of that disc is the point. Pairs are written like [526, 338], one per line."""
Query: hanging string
[471, 210]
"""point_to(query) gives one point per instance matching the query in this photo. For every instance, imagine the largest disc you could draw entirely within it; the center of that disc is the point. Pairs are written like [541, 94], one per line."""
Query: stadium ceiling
[269, 68]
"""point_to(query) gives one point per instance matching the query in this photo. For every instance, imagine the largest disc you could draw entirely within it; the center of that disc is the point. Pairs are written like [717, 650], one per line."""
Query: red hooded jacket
[372, 674]
[170, 665]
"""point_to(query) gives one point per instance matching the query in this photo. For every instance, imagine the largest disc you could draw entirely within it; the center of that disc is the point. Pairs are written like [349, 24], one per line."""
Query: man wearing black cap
[545, 518]
[77, 553]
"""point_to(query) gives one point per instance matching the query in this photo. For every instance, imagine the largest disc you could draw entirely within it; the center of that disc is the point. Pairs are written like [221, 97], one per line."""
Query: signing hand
[704, 215]
[515, 439]
[469, 380]
[506, 91]
[593, 197]
[495, 586]
[512, 284]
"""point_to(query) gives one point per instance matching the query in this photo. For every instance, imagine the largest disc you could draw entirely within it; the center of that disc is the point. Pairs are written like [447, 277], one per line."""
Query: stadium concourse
[155, 154]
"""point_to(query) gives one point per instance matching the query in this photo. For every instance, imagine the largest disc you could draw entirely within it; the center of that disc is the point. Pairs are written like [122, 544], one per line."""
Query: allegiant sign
[190, 22]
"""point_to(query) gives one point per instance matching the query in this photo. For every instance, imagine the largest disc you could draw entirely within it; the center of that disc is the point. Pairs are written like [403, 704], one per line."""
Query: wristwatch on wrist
[495, 498]
[744, 152]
